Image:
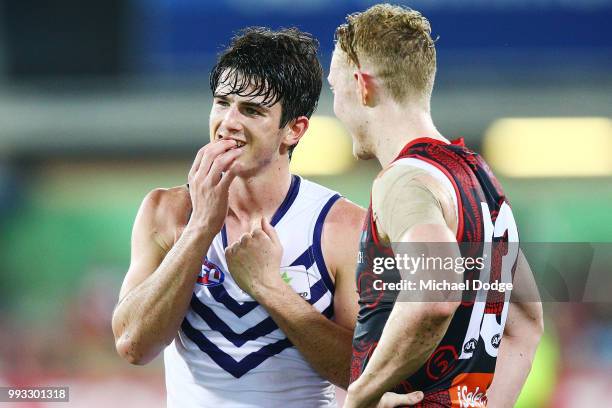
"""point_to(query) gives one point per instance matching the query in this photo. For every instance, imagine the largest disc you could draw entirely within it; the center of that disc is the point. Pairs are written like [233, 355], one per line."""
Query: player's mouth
[239, 143]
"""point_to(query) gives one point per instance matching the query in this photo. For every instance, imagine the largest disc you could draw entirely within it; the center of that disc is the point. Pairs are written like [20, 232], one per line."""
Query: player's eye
[251, 111]
[222, 102]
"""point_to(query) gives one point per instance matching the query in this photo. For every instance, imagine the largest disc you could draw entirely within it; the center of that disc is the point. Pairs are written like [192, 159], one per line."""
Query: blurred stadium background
[102, 101]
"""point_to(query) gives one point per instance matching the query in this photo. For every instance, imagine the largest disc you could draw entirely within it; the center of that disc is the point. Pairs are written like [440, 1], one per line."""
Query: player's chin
[239, 167]
[245, 167]
[361, 153]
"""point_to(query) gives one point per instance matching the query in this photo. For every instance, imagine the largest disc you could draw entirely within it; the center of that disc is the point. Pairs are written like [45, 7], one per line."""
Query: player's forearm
[514, 362]
[408, 339]
[149, 316]
[326, 345]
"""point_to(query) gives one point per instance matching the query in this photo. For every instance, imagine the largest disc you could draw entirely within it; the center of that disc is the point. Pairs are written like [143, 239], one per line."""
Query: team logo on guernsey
[210, 274]
[496, 340]
[470, 346]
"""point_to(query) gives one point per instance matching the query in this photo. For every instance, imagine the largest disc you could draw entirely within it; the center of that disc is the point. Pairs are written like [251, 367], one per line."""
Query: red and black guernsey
[461, 368]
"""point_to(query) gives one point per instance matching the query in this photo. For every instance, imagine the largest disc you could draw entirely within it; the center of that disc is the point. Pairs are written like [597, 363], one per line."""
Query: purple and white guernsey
[229, 351]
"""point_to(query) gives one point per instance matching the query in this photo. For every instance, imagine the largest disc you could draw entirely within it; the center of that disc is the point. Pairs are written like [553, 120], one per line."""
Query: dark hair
[282, 66]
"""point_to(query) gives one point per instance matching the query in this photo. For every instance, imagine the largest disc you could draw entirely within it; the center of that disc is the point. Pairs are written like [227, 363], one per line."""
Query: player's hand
[392, 400]
[209, 179]
[254, 260]
[388, 400]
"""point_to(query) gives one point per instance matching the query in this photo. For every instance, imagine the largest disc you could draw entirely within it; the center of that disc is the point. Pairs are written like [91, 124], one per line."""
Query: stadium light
[550, 147]
[325, 149]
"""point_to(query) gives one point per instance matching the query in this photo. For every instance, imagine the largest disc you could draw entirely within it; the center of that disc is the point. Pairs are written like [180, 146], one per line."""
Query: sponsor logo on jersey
[469, 390]
[298, 278]
[496, 340]
[470, 346]
[467, 398]
[210, 274]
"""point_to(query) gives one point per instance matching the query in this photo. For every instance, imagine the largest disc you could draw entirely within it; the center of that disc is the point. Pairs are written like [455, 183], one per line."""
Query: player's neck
[398, 126]
[251, 198]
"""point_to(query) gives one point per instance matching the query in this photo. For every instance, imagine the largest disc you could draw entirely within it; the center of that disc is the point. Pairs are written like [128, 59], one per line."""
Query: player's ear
[366, 87]
[295, 130]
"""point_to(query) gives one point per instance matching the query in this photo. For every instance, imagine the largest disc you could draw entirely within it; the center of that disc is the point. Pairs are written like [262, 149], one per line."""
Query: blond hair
[397, 41]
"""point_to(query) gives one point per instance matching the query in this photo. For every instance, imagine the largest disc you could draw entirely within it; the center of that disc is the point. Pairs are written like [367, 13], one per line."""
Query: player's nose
[231, 120]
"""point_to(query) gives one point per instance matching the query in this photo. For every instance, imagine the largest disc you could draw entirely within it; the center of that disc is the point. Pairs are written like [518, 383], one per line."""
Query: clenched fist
[254, 260]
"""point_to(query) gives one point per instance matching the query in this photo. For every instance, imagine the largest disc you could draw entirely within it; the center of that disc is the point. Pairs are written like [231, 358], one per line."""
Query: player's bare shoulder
[401, 191]
[344, 215]
[165, 212]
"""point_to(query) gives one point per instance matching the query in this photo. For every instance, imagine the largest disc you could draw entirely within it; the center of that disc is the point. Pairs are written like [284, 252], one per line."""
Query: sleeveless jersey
[460, 370]
[229, 352]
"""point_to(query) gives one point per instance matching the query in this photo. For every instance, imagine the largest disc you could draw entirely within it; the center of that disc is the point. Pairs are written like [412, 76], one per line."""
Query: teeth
[240, 144]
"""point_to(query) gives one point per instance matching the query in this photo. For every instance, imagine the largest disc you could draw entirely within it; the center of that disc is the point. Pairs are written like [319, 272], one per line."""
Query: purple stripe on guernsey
[224, 360]
[227, 362]
[306, 259]
[289, 199]
[224, 236]
[316, 244]
[329, 311]
[262, 328]
[239, 309]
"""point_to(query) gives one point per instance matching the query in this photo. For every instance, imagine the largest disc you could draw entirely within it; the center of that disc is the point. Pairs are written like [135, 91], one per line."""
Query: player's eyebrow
[256, 105]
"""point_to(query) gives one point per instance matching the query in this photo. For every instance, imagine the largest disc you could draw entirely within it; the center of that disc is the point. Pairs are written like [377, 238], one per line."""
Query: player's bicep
[346, 299]
[147, 248]
[525, 306]
[340, 243]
